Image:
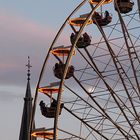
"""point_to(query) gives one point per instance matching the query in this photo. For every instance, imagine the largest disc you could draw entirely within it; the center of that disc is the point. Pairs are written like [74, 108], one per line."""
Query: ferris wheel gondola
[102, 20]
[125, 6]
[49, 111]
[60, 67]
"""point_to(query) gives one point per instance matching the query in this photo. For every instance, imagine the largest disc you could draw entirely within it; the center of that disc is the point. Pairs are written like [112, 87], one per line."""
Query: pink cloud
[19, 32]
[19, 38]
[4, 66]
[18, 26]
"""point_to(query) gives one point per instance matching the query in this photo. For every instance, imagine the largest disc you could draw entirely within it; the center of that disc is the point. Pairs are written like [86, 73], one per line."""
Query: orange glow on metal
[97, 1]
[43, 134]
[62, 51]
[48, 90]
[79, 21]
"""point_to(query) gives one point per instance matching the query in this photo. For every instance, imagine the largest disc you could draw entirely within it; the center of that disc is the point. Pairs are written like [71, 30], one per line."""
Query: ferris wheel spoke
[113, 95]
[111, 91]
[87, 103]
[87, 125]
[100, 75]
[121, 72]
[119, 128]
[133, 57]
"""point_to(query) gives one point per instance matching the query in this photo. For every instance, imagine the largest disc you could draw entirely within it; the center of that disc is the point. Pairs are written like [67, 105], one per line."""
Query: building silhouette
[27, 108]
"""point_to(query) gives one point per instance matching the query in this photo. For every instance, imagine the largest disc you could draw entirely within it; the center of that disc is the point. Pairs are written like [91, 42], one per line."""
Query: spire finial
[28, 66]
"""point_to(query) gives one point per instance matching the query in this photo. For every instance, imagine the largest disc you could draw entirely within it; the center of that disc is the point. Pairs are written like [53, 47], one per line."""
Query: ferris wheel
[89, 85]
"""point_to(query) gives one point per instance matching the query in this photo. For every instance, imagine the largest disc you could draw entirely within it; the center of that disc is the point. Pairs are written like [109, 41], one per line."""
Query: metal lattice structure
[97, 82]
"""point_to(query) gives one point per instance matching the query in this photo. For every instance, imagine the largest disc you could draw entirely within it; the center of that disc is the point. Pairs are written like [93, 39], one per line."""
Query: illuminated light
[62, 51]
[47, 134]
[79, 21]
[97, 1]
[49, 90]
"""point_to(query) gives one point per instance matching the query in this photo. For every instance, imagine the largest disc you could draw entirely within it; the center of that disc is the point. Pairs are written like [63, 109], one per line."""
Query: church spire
[27, 108]
[28, 66]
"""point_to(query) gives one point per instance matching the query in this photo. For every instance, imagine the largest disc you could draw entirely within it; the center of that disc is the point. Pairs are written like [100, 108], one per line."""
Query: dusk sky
[27, 28]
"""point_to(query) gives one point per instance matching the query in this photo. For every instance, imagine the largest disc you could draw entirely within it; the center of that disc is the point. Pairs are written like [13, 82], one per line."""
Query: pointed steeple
[27, 108]
[28, 89]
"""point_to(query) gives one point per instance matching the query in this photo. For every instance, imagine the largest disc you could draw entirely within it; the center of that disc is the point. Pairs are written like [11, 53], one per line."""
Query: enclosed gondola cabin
[102, 20]
[83, 41]
[125, 6]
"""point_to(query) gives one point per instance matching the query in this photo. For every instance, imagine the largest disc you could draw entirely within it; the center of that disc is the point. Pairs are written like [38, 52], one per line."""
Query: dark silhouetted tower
[27, 108]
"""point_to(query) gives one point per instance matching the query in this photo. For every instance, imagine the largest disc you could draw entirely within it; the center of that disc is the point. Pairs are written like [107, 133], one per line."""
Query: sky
[27, 28]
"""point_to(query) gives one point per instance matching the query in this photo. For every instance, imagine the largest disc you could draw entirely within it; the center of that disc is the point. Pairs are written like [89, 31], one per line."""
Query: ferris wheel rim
[65, 67]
